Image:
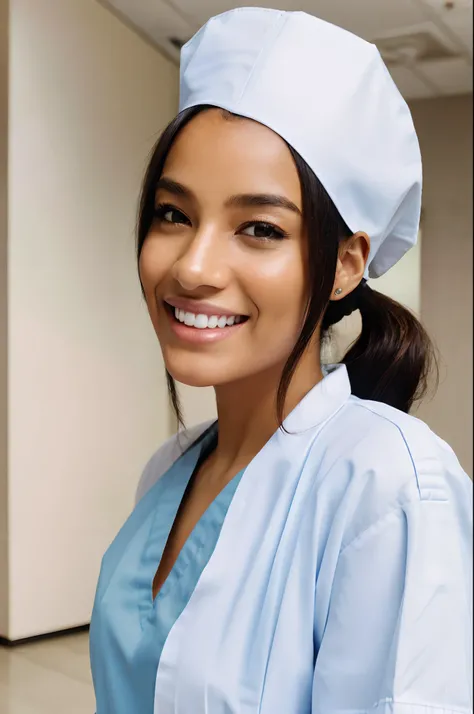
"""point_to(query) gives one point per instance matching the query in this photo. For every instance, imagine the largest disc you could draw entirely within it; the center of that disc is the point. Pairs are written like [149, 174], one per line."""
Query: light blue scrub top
[124, 680]
[332, 576]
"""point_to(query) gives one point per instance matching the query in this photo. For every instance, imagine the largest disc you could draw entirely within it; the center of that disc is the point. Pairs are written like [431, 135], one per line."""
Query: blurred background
[85, 89]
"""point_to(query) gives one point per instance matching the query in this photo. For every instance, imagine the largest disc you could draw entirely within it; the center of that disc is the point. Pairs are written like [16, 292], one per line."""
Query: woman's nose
[203, 262]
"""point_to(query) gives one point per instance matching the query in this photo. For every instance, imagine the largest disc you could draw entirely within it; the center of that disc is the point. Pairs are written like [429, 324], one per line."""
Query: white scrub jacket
[332, 576]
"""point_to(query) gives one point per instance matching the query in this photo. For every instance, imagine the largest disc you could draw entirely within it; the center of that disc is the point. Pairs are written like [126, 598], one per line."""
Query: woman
[309, 551]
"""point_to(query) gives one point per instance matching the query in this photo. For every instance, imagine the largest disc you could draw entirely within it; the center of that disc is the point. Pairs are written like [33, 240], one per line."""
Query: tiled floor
[48, 677]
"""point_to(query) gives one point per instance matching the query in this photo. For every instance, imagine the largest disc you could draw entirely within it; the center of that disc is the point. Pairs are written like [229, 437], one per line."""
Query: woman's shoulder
[166, 455]
[376, 461]
[399, 440]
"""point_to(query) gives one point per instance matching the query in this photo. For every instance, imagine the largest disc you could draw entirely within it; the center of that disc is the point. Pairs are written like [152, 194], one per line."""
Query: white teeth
[201, 322]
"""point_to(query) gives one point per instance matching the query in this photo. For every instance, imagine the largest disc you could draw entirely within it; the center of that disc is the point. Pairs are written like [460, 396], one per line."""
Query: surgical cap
[328, 94]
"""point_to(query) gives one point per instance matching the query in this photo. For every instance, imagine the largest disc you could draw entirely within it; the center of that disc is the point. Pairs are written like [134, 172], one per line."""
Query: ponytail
[392, 358]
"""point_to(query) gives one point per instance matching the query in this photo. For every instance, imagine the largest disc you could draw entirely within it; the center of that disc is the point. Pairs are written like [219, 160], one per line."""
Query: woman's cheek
[144, 266]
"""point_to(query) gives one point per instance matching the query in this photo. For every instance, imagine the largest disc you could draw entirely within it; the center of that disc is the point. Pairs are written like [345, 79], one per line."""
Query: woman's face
[227, 247]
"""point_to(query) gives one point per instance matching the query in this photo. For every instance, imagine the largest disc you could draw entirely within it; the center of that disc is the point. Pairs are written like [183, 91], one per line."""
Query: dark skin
[248, 259]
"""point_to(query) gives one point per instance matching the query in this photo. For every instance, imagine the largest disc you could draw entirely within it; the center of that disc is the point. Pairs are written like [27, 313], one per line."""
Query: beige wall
[87, 402]
[3, 315]
[199, 404]
[445, 131]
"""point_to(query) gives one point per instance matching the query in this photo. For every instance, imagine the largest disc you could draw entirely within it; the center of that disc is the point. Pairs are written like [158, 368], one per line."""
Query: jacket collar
[324, 400]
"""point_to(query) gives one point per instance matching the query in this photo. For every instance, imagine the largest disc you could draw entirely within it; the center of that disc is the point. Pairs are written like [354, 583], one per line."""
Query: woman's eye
[169, 214]
[173, 216]
[263, 231]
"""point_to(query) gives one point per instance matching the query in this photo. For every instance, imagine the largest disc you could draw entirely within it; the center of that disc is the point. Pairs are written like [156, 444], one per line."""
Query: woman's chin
[206, 370]
[191, 375]
[191, 379]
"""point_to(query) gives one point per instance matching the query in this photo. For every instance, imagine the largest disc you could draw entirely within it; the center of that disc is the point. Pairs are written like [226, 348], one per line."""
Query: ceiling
[427, 44]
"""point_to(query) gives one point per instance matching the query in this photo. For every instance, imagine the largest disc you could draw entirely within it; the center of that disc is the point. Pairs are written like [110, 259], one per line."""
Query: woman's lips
[201, 335]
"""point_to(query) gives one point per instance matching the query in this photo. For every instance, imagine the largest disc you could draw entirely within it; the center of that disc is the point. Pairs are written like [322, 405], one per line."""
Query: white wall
[3, 315]
[199, 404]
[445, 130]
[87, 397]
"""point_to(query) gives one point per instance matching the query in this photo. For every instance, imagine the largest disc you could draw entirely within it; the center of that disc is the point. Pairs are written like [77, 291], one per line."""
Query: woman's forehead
[237, 155]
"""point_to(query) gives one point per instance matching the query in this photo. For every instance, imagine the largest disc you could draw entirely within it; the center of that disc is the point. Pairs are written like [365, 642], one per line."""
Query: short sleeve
[398, 636]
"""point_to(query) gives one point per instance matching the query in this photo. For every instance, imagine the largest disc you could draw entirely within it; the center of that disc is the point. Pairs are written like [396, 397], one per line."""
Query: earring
[338, 291]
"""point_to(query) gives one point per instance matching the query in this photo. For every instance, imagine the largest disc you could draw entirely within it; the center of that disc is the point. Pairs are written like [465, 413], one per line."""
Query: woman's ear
[351, 262]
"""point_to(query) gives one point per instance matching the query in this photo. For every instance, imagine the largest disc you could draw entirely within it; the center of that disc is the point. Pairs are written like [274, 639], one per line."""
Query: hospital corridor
[95, 327]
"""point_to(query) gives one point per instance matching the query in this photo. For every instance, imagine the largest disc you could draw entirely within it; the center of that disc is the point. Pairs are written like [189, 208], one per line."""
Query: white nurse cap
[329, 95]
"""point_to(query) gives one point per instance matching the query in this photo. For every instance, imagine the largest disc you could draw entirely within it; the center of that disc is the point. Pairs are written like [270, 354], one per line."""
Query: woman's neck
[247, 412]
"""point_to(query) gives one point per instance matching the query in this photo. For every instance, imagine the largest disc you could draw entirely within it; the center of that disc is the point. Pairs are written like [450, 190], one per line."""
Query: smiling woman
[234, 235]
[308, 553]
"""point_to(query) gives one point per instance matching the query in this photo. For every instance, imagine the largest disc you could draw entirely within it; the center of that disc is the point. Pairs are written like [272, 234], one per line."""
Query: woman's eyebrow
[263, 199]
[244, 200]
[167, 184]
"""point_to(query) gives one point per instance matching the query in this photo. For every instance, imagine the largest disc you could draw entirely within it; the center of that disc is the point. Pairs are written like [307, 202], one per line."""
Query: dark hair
[392, 358]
